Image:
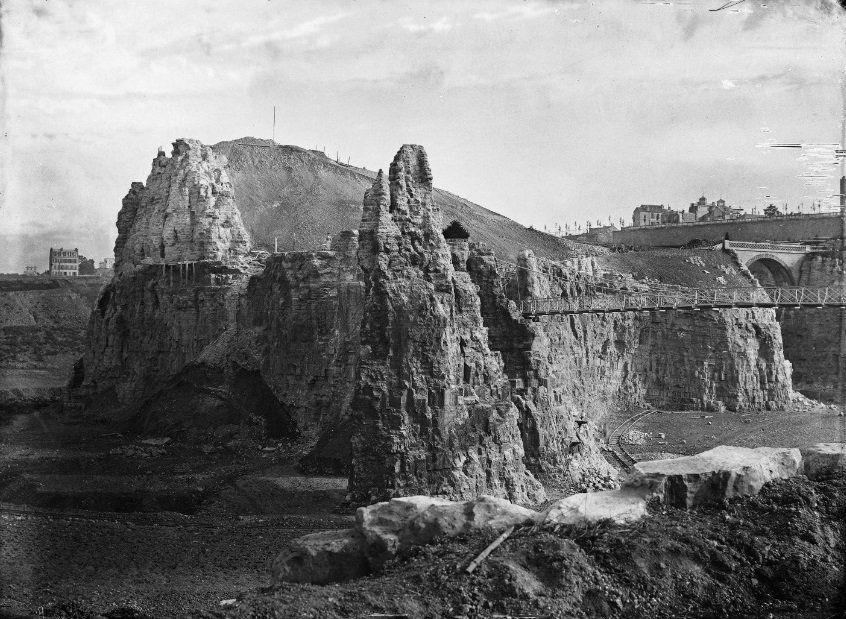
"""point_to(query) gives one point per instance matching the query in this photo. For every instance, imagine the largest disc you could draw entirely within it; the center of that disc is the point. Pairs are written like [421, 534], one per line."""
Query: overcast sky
[547, 112]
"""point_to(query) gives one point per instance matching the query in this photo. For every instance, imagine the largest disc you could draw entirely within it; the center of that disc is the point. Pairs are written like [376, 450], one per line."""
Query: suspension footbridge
[687, 299]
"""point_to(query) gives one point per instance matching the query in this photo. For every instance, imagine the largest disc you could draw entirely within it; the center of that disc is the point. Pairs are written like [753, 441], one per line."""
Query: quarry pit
[226, 400]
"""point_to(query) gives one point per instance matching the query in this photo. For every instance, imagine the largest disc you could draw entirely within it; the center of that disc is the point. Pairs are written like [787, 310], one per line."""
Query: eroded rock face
[303, 314]
[149, 325]
[431, 407]
[714, 475]
[567, 372]
[387, 349]
[186, 212]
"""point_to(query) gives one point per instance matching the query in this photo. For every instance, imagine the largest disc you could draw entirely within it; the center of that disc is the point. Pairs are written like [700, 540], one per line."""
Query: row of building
[65, 263]
[701, 210]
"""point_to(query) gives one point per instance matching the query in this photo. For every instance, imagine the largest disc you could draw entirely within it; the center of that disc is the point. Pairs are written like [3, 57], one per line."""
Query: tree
[771, 210]
[86, 266]
[456, 231]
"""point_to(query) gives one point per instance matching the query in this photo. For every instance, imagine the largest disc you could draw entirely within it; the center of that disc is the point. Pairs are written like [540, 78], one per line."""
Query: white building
[64, 262]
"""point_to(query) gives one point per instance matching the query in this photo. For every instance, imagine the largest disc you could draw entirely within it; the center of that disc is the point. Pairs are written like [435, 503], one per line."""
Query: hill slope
[300, 196]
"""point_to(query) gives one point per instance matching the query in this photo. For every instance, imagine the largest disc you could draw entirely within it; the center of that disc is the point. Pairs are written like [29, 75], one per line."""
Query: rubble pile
[386, 529]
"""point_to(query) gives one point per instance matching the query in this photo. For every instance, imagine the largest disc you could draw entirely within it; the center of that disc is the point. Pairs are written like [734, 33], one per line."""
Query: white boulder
[621, 506]
[393, 525]
[716, 474]
[486, 513]
[383, 524]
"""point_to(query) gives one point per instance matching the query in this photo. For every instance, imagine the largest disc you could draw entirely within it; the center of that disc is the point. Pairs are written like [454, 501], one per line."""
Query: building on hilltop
[31, 270]
[64, 262]
[106, 267]
[654, 215]
[702, 210]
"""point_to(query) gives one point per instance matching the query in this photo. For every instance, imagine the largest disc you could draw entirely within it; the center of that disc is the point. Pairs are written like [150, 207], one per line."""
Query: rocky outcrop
[400, 355]
[431, 408]
[185, 213]
[146, 327]
[568, 371]
[303, 315]
[812, 336]
[181, 264]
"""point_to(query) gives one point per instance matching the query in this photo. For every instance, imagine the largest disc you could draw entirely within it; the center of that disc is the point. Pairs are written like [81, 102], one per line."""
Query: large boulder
[621, 506]
[383, 524]
[487, 513]
[394, 525]
[714, 475]
[322, 558]
[824, 460]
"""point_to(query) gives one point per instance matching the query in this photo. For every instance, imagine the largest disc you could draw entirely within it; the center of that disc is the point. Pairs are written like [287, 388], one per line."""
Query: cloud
[442, 25]
[728, 85]
[517, 11]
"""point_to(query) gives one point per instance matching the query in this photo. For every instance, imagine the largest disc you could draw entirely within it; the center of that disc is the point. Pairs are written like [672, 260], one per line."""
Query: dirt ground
[97, 524]
[110, 522]
[775, 555]
[692, 432]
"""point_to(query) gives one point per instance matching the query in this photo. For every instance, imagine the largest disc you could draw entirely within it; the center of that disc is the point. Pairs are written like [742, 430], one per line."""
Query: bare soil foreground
[96, 524]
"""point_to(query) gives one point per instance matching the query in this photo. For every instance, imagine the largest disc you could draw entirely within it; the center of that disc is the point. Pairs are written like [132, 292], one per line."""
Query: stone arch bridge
[772, 264]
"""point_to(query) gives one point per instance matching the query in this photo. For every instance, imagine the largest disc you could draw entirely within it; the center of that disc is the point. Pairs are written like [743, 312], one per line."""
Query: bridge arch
[770, 270]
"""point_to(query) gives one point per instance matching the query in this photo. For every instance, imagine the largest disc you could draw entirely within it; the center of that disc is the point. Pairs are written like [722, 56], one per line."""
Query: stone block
[397, 524]
[621, 506]
[322, 558]
[382, 524]
[824, 460]
[714, 475]
[487, 513]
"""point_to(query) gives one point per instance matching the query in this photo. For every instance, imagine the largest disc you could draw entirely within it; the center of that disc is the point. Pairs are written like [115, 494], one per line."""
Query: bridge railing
[688, 299]
[794, 248]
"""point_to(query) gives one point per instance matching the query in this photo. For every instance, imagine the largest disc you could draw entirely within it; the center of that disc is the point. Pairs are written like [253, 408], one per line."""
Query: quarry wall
[302, 316]
[570, 367]
[812, 336]
[398, 354]
[432, 412]
[147, 327]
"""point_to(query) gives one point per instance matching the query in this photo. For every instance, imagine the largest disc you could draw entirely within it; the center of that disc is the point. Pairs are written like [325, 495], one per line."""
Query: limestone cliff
[181, 261]
[566, 368]
[303, 315]
[185, 213]
[431, 408]
[812, 335]
[398, 354]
